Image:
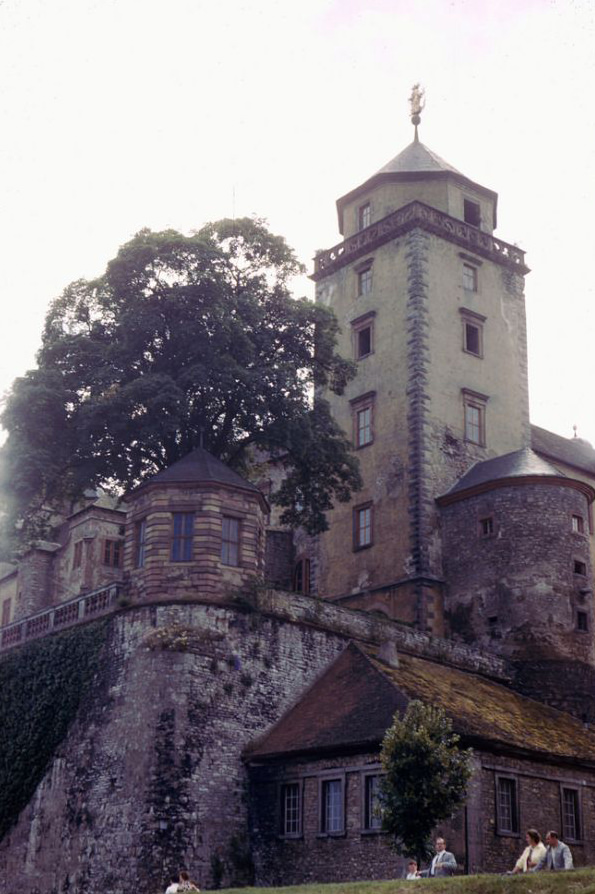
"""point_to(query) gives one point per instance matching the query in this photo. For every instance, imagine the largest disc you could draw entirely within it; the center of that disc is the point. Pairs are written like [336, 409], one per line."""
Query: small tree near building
[426, 775]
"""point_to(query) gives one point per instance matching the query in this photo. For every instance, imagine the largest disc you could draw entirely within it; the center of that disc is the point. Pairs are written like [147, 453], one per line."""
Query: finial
[575, 430]
[417, 104]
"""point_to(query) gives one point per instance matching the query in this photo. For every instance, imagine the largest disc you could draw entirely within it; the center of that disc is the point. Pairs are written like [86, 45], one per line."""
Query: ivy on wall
[42, 685]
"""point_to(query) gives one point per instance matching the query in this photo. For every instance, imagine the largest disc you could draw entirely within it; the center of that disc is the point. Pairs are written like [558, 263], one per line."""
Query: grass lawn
[579, 882]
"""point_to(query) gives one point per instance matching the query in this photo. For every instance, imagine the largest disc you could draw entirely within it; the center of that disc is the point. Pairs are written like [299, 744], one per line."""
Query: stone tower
[431, 309]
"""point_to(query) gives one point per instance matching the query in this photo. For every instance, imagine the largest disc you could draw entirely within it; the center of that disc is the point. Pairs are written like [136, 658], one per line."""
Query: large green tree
[426, 776]
[184, 340]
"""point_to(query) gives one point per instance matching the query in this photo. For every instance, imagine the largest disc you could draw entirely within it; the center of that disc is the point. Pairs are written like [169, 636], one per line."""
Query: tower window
[580, 568]
[301, 577]
[472, 331]
[363, 335]
[140, 543]
[474, 410]
[77, 559]
[578, 524]
[364, 216]
[486, 526]
[364, 427]
[183, 533]
[582, 621]
[112, 553]
[469, 278]
[6, 611]
[362, 526]
[364, 282]
[230, 541]
[472, 213]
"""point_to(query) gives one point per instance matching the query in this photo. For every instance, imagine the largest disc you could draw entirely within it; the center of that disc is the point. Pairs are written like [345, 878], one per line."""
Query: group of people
[181, 881]
[536, 856]
[553, 855]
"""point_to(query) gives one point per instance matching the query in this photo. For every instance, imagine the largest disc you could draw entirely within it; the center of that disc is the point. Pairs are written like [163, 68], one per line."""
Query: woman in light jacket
[532, 854]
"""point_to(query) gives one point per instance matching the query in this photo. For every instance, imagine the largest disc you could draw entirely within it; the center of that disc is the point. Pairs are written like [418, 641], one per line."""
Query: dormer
[417, 174]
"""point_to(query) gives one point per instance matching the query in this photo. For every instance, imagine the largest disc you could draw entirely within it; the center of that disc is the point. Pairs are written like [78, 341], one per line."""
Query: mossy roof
[352, 704]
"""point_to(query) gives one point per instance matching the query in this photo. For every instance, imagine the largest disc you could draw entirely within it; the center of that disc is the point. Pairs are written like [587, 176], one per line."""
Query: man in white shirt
[173, 886]
[443, 862]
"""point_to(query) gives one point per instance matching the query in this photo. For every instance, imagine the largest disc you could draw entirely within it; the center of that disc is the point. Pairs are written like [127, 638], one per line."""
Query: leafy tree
[183, 340]
[426, 777]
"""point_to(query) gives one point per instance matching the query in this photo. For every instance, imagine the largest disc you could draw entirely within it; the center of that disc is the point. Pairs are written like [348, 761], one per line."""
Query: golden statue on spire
[417, 103]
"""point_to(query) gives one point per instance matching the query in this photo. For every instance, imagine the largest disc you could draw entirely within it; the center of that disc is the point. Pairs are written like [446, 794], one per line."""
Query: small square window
[362, 526]
[290, 810]
[332, 815]
[469, 278]
[582, 621]
[230, 541]
[580, 568]
[364, 216]
[472, 213]
[364, 282]
[578, 524]
[486, 526]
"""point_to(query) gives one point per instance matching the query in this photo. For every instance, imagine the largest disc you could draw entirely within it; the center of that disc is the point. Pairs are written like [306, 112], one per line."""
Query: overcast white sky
[121, 114]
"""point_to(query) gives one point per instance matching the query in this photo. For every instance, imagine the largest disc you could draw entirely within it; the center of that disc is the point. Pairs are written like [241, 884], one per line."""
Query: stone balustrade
[417, 214]
[83, 608]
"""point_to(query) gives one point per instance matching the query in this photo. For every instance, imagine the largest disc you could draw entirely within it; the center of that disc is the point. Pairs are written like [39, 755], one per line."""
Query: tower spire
[417, 104]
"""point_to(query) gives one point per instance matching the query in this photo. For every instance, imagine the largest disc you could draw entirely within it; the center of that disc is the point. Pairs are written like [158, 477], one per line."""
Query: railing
[66, 614]
[412, 215]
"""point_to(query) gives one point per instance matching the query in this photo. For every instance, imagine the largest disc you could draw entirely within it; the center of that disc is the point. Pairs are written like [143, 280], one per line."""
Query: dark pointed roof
[520, 464]
[352, 705]
[417, 157]
[201, 467]
[412, 163]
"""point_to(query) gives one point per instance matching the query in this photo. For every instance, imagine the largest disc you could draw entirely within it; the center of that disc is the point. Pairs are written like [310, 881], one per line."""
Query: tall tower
[431, 309]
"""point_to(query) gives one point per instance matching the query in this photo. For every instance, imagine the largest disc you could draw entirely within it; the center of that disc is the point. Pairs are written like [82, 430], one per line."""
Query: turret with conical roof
[431, 309]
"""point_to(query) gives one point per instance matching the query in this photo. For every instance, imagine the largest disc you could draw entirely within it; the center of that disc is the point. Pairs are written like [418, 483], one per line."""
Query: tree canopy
[426, 775]
[183, 341]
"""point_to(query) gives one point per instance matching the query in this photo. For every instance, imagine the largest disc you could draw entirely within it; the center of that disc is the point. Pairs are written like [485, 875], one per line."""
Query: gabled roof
[352, 704]
[201, 467]
[571, 451]
[520, 466]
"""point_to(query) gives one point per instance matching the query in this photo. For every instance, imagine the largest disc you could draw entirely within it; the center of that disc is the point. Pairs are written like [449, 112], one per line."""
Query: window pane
[141, 533]
[230, 541]
[333, 805]
[570, 813]
[365, 282]
[290, 809]
[364, 217]
[469, 278]
[364, 426]
[473, 424]
[183, 528]
[472, 338]
[373, 818]
[507, 805]
[364, 341]
[364, 526]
